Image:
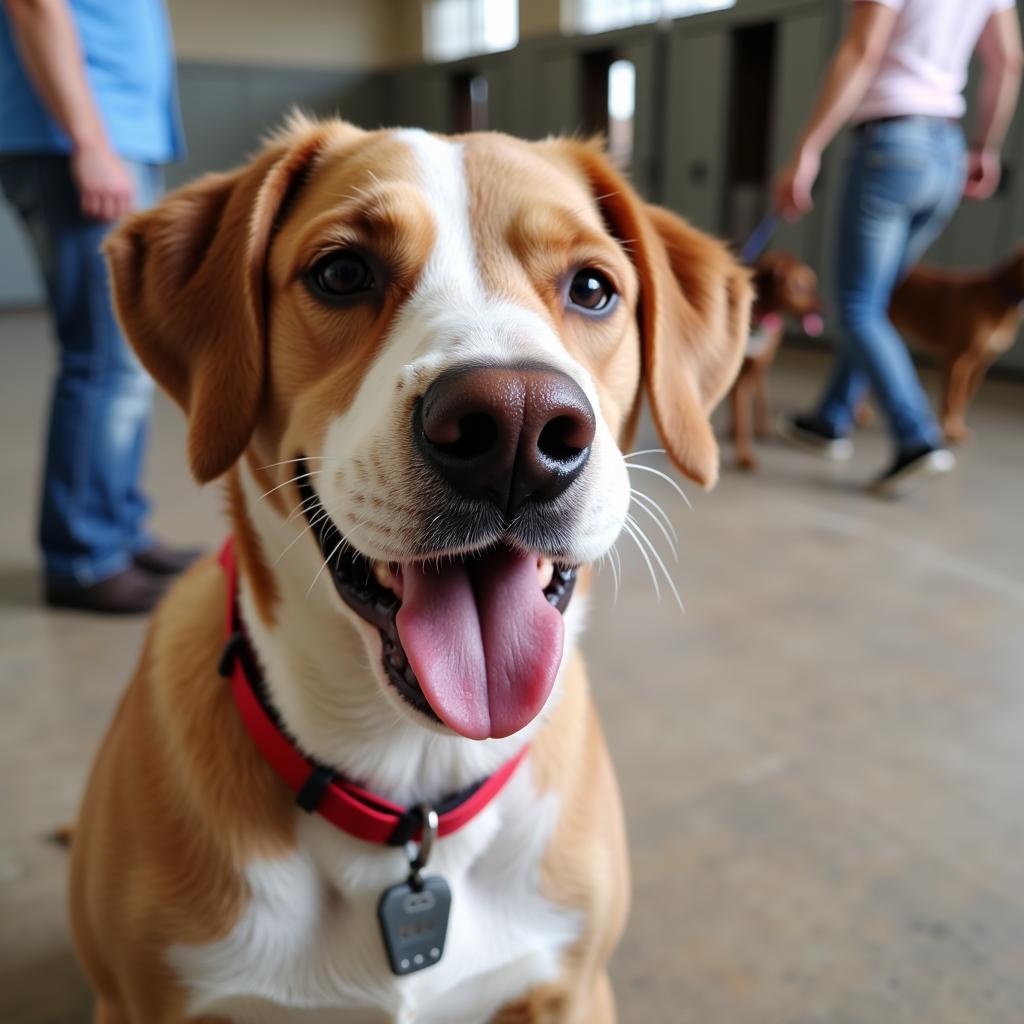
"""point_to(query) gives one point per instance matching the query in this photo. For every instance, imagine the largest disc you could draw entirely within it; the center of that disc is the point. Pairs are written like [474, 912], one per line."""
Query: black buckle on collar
[313, 789]
[406, 827]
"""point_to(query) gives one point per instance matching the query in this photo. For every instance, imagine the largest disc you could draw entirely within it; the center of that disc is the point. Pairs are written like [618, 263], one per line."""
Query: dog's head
[786, 287]
[437, 346]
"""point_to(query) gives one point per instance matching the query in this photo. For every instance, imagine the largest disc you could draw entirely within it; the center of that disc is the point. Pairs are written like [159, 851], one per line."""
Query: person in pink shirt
[898, 76]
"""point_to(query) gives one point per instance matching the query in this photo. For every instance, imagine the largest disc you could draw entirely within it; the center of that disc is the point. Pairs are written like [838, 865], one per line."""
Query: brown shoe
[166, 561]
[129, 592]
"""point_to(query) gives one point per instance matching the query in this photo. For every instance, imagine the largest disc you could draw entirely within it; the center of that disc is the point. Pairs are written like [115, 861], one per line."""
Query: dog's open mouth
[473, 641]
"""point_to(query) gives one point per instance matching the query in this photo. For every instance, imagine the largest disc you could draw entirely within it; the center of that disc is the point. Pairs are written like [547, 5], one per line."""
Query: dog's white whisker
[612, 556]
[302, 533]
[648, 500]
[326, 562]
[661, 564]
[290, 480]
[654, 508]
[288, 462]
[316, 520]
[644, 451]
[650, 566]
[666, 477]
[638, 498]
[300, 508]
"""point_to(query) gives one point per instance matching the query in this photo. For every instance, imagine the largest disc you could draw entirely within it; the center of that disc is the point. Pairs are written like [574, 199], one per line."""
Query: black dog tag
[414, 922]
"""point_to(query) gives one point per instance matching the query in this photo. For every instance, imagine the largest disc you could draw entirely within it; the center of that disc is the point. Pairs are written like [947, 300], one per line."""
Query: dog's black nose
[505, 434]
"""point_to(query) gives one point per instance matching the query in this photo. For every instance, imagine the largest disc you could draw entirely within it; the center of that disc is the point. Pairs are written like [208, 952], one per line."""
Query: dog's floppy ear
[188, 283]
[694, 315]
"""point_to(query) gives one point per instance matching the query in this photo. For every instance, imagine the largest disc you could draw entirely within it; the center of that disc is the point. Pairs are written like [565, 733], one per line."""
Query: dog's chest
[309, 945]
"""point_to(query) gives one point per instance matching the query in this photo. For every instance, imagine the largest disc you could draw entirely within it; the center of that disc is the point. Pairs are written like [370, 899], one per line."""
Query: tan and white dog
[451, 335]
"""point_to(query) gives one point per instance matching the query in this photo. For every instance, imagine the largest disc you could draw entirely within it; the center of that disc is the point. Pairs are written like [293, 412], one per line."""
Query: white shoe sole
[936, 463]
[839, 449]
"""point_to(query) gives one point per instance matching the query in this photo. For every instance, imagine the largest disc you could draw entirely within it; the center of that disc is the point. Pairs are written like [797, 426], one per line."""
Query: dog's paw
[957, 432]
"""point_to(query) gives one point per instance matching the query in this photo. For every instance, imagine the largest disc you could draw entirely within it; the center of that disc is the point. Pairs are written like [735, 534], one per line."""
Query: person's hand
[105, 186]
[792, 189]
[983, 172]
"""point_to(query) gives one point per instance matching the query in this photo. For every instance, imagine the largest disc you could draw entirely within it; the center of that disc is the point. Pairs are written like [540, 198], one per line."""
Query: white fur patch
[309, 944]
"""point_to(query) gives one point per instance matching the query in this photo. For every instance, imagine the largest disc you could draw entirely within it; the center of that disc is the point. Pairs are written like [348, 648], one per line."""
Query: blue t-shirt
[129, 61]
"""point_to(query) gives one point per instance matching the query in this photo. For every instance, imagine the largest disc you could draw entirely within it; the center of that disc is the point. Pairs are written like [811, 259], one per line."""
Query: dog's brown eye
[591, 290]
[342, 275]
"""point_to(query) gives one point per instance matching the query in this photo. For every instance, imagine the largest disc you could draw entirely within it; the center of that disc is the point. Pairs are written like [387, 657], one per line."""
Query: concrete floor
[822, 760]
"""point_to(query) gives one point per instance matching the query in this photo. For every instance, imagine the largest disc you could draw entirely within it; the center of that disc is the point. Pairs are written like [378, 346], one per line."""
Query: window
[602, 15]
[469, 92]
[621, 108]
[609, 102]
[462, 28]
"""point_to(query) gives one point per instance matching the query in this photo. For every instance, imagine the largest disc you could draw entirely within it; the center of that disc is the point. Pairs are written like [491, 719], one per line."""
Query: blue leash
[759, 239]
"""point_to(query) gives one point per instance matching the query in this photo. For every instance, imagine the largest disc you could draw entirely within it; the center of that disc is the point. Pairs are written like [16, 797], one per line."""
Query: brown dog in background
[967, 319]
[785, 287]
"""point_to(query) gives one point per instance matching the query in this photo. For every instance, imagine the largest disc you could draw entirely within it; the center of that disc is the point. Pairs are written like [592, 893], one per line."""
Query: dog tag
[414, 914]
[414, 923]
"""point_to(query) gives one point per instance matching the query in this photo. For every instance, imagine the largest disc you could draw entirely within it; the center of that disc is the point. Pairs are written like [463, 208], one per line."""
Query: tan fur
[178, 798]
[587, 864]
[967, 318]
[209, 288]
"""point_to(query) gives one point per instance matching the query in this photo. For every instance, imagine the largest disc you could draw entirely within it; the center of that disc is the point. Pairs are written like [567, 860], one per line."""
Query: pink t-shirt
[924, 70]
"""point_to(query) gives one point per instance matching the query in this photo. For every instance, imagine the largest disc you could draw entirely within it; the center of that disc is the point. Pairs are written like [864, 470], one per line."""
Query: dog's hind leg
[956, 395]
[981, 367]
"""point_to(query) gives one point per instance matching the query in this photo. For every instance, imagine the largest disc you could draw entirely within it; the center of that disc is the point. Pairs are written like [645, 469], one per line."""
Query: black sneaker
[914, 464]
[809, 435]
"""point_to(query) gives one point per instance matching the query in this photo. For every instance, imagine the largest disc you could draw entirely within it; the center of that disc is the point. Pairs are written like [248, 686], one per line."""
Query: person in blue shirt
[88, 114]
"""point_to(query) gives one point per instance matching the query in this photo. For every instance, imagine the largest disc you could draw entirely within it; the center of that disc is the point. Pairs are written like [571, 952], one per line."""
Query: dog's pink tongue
[484, 642]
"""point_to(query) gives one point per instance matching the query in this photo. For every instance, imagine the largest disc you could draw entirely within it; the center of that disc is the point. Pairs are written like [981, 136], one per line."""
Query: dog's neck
[321, 676]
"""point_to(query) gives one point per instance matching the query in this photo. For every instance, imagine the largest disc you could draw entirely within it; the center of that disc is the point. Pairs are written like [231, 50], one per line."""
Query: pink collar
[345, 805]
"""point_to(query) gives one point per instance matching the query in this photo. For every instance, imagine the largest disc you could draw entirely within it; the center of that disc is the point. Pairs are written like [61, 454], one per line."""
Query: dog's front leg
[742, 424]
[762, 421]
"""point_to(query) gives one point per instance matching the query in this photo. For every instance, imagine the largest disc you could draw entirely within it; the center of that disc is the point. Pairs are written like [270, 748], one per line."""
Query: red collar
[345, 805]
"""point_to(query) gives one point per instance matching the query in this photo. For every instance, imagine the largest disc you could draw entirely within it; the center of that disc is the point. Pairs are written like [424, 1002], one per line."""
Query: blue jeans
[904, 181]
[93, 510]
